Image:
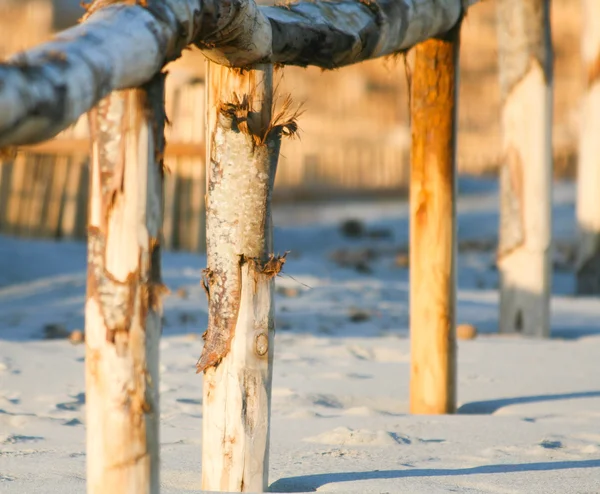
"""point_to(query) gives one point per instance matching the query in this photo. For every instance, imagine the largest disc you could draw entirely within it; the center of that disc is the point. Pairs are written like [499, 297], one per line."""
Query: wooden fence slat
[433, 226]
[60, 170]
[15, 200]
[71, 198]
[5, 180]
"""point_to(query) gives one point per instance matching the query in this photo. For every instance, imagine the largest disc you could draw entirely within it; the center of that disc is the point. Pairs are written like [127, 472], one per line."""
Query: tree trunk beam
[120, 46]
[243, 138]
[588, 171]
[123, 308]
[525, 239]
[433, 226]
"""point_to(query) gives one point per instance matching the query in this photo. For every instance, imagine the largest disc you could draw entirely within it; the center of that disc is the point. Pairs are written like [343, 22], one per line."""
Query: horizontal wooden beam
[82, 146]
[46, 89]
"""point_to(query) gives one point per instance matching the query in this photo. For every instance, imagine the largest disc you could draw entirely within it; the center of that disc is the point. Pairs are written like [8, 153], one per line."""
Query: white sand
[529, 416]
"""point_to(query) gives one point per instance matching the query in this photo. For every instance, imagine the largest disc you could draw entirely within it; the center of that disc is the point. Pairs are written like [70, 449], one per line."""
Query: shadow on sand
[310, 483]
[491, 406]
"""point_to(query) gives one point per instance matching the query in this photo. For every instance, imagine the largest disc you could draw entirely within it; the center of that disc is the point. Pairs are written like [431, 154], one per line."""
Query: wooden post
[433, 225]
[588, 173]
[123, 309]
[243, 140]
[525, 239]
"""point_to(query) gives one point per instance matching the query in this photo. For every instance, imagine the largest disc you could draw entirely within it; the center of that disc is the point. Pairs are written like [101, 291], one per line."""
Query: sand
[529, 411]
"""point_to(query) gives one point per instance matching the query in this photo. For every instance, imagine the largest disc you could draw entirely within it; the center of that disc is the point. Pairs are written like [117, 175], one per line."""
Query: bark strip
[121, 45]
[433, 226]
[123, 308]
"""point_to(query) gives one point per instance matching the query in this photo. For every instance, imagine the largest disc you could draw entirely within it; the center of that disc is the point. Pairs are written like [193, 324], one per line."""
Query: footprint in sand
[355, 375]
[19, 439]
[72, 423]
[346, 436]
[379, 354]
[327, 401]
[189, 401]
[73, 406]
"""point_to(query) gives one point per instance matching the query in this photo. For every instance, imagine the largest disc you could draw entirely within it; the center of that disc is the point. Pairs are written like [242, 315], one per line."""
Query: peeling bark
[119, 46]
[588, 173]
[243, 148]
[524, 253]
[123, 309]
[433, 225]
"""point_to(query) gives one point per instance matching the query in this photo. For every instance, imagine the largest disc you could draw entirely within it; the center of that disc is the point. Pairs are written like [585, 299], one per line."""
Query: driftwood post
[433, 225]
[525, 240]
[588, 173]
[123, 309]
[243, 137]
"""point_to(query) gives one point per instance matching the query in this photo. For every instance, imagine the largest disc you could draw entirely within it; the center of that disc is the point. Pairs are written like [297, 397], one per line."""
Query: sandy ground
[529, 411]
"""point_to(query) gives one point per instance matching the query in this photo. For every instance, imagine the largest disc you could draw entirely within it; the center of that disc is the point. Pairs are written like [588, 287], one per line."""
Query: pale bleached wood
[122, 45]
[434, 104]
[588, 171]
[243, 147]
[123, 308]
[525, 240]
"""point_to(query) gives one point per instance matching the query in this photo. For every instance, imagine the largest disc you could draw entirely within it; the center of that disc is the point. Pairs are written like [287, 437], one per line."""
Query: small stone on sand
[466, 332]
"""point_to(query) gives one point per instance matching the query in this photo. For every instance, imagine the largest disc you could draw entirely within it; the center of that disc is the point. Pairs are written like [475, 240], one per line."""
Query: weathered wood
[588, 172]
[243, 140]
[123, 309]
[525, 240]
[433, 226]
[122, 45]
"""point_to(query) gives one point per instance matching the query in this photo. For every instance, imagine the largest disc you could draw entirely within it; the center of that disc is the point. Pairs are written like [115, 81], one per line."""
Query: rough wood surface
[524, 255]
[433, 226]
[243, 139]
[123, 45]
[123, 309]
[588, 171]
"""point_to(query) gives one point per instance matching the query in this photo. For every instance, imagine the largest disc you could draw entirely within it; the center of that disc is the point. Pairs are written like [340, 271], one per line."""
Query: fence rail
[48, 88]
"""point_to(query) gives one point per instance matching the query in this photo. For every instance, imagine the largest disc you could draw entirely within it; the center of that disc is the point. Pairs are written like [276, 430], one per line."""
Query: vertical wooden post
[525, 240]
[123, 309]
[243, 141]
[588, 173]
[433, 225]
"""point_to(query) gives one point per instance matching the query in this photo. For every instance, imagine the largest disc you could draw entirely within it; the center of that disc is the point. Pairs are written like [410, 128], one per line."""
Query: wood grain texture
[237, 359]
[433, 226]
[123, 308]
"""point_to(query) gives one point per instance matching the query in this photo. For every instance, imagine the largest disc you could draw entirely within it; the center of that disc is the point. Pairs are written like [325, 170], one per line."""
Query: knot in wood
[262, 344]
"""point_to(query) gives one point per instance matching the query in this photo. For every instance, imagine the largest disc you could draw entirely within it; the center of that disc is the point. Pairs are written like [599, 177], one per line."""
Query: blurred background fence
[355, 135]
